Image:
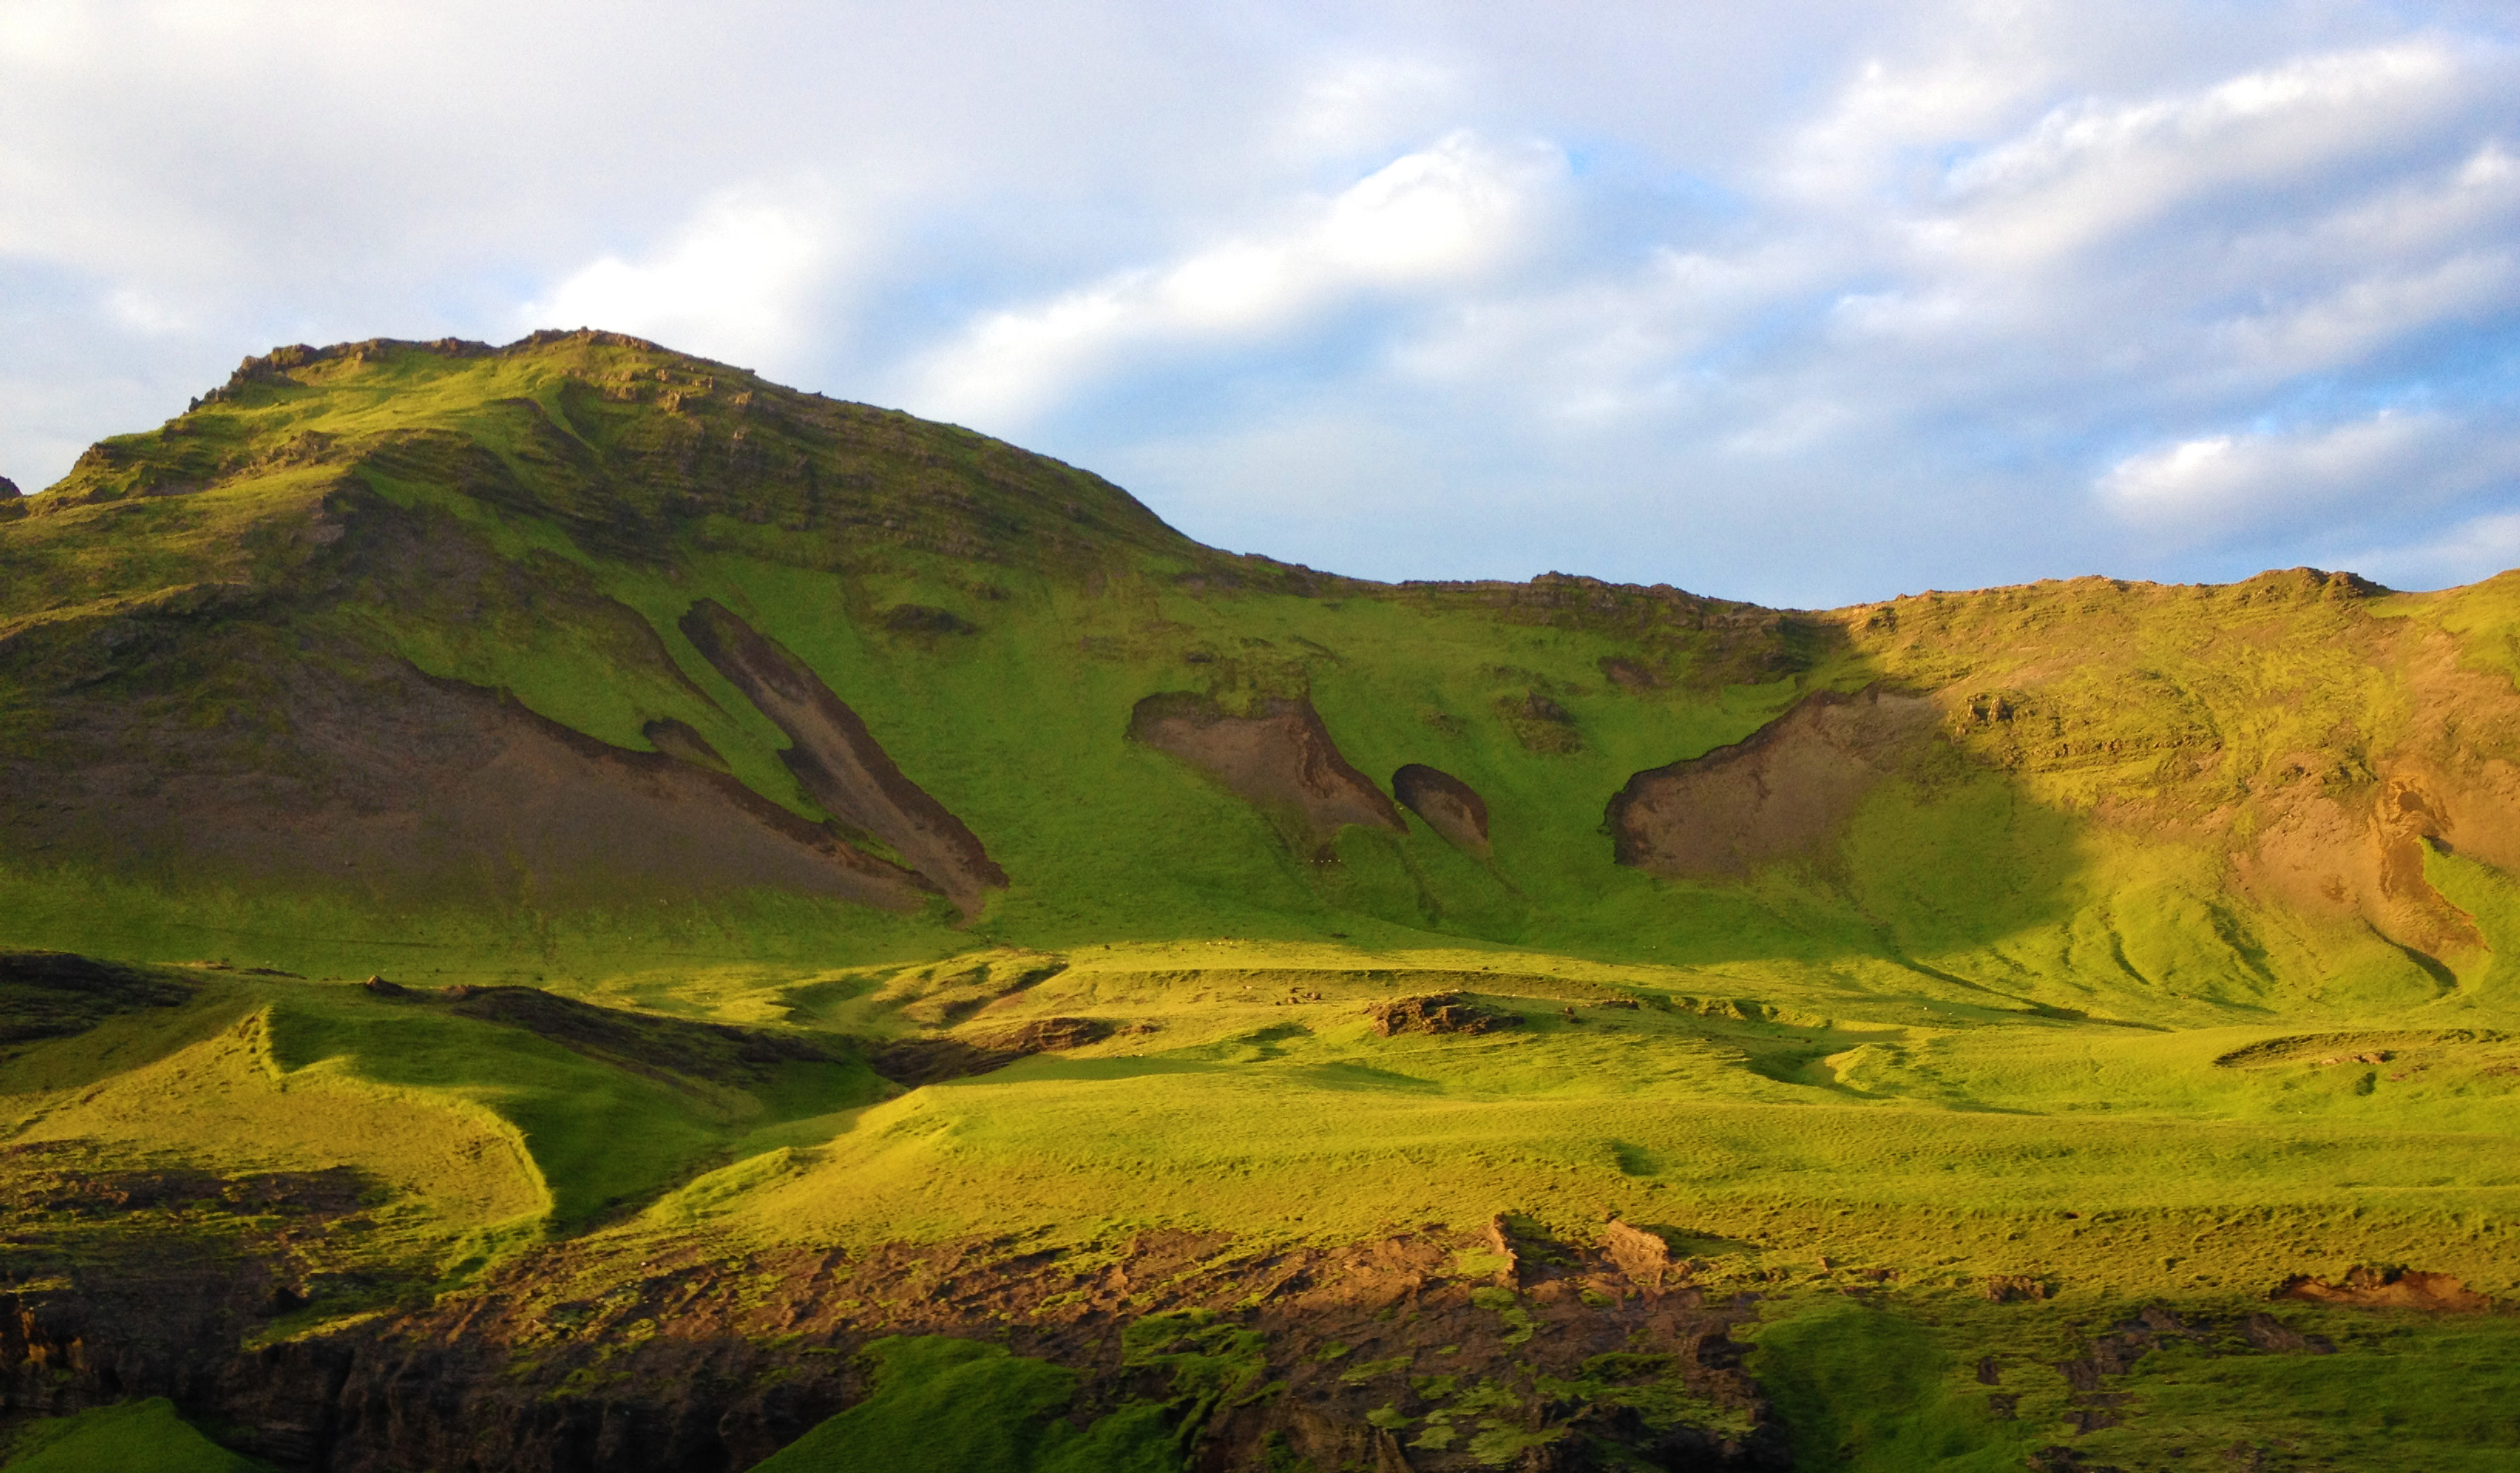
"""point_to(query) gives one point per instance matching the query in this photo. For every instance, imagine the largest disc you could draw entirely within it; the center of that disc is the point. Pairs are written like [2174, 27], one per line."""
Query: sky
[1807, 304]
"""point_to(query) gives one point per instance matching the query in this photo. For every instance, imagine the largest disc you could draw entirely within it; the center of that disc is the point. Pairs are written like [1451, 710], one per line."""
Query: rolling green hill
[670, 909]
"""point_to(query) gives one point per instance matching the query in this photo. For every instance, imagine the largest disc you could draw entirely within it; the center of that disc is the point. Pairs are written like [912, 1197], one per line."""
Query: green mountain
[568, 907]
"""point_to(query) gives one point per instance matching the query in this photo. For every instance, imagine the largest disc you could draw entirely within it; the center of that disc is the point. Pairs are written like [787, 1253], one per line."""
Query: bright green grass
[2125, 1160]
[312, 1061]
[136, 1437]
[600, 1135]
[1865, 1388]
[1889, 1384]
[947, 1405]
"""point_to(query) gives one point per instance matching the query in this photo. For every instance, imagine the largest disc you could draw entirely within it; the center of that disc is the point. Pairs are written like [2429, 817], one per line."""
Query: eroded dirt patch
[2374, 1288]
[1280, 760]
[2367, 1046]
[1782, 790]
[652, 1047]
[367, 772]
[54, 994]
[927, 1062]
[1449, 806]
[840, 761]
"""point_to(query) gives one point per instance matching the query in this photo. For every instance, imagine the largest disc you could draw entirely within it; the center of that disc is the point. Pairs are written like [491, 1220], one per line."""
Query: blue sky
[1806, 303]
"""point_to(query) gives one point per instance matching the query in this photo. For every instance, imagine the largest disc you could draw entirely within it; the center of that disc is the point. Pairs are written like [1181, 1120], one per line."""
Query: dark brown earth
[1449, 806]
[629, 1356]
[1281, 761]
[55, 994]
[667, 1049]
[932, 1060]
[839, 760]
[201, 730]
[398, 784]
[677, 738]
[1784, 790]
[920, 619]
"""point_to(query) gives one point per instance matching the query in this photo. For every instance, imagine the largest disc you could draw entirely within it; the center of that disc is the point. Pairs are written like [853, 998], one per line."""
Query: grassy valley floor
[1933, 1233]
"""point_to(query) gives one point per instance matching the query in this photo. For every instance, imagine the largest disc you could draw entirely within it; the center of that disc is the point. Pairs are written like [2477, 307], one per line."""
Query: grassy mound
[946, 1406]
[138, 1437]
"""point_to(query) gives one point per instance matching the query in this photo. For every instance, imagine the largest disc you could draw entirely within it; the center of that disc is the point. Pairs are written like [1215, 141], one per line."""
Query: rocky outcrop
[1437, 1012]
[1644, 1257]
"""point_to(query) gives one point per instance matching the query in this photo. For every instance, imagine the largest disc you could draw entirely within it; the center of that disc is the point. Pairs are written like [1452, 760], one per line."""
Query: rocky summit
[565, 908]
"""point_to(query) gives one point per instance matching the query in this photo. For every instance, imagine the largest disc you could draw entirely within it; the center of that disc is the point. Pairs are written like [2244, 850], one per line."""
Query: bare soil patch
[369, 774]
[1781, 791]
[1449, 806]
[1281, 761]
[840, 761]
[54, 994]
[927, 1062]
[2374, 1288]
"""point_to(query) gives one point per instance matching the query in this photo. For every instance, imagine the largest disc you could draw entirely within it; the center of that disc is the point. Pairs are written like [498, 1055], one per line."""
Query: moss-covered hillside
[381, 634]
[562, 905]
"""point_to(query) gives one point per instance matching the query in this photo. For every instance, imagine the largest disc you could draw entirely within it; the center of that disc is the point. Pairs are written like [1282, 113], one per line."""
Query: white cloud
[1440, 216]
[735, 283]
[138, 311]
[2393, 462]
[2092, 170]
[2475, 548]
[1361, 100]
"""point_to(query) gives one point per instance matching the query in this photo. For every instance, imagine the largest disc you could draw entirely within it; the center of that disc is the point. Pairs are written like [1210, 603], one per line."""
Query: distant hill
[581, 627]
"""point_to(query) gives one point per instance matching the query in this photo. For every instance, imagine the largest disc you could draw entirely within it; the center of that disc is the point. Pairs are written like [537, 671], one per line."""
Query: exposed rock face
[1640, 1254]
[1438, 1013]
[1449, 806]
[1280, 760]
[839, 762]
[1782, 790]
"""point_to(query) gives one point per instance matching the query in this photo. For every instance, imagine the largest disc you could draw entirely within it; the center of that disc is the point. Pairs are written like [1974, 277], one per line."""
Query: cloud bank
[1810, 304]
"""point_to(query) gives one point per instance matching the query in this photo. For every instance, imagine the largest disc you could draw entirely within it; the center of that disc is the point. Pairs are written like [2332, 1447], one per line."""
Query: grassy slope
[1907, 1093]
[478, 1132]
[138, 1437]
[947, 1405]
